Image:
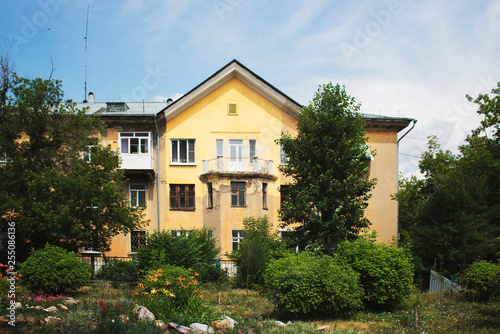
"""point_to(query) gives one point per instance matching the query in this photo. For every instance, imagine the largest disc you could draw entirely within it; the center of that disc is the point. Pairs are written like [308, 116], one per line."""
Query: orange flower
[154, 279]
[201, 296]
[196, 274]
[167, 282]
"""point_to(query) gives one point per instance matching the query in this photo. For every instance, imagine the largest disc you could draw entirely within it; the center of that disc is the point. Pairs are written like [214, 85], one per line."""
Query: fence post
[92, 262]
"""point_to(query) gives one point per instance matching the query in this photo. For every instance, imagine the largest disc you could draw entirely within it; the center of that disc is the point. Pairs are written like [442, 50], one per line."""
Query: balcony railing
[227, 164]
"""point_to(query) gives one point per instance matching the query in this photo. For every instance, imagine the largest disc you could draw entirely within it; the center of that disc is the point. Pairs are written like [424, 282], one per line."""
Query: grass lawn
[437, 313]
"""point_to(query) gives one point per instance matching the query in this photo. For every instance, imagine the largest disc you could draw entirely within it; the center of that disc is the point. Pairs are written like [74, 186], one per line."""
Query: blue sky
[399, 57]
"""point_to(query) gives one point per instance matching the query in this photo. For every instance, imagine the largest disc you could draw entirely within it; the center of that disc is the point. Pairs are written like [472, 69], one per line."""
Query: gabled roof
[233, 69]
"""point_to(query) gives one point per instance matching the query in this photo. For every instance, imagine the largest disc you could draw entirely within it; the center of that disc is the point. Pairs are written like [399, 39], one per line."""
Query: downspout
[397, 186]
[157, 174]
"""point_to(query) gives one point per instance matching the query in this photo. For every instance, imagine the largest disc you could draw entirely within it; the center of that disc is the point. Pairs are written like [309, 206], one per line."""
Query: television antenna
[86, 35]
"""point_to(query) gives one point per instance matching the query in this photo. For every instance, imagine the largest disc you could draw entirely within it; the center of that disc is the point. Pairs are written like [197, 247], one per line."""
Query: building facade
[209, 159]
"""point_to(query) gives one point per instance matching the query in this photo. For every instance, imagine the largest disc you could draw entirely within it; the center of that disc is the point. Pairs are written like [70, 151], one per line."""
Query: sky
[416, 59]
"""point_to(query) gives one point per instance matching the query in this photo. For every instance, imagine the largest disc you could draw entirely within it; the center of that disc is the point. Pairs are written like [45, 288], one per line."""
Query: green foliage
[452, 214]
[119, 271]
[54, 270]
[211, 273]
[385, 271]
[328, 161]
[52, 194]
[173, 294]
[481, 279]
[313, 285]
[187, 250]
[255, 251]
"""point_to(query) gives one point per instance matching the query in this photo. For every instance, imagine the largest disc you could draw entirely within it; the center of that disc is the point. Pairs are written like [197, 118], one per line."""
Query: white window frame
[143, 142]
[283, 157]
[236, 237]
[137, 188]
[177, 160]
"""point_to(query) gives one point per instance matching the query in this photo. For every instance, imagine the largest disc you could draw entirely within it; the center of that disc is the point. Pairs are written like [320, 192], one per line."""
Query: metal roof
[129, 108]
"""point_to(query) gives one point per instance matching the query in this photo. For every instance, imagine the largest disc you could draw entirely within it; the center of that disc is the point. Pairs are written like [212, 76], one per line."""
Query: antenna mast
[86, 34]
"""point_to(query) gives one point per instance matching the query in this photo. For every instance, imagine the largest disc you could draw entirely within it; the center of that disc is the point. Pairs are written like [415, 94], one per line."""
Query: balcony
[136, 161]
[237, 165]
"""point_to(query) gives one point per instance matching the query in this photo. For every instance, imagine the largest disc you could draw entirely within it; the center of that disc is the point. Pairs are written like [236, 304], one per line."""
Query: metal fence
[432, 281]
[96, 262]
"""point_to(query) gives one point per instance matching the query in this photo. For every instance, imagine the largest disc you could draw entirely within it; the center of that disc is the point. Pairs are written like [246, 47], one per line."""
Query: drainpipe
[397, 187]
[157, 174]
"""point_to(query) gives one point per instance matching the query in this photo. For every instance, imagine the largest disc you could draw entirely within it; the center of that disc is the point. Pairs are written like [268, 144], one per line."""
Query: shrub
[385, 271]
[481, 279]
[172, 294]
[54, 270]
[255, 252]
[119, 271]
[187, 250]
[211, 273]
[313, 285]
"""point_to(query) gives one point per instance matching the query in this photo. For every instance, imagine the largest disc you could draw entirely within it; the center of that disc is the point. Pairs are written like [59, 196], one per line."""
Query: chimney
[91, 97]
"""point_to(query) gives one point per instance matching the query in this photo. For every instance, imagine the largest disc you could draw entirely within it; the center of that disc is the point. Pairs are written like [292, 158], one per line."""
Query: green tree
[328, 161]
[51, 193]
[451, 216]
[256, 250]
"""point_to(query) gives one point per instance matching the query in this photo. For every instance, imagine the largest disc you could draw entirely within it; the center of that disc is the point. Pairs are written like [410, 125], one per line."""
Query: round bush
[481, 279]
[385, 271]
[54, 270]
[119, 271]
[308, 284]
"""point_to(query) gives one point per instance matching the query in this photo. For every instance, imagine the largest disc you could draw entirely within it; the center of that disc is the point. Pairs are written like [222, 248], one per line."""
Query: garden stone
[180, 329]
[51, 309]
[31, 320]
[144, 314]
[38, 307]
[71, 301]
[62, 307]
[53, 321]
[200, 328]
[323, 328]
[279, 323]
[232, 322]
[18, 305]
[20, 320]
[161, 324]
[221, 325]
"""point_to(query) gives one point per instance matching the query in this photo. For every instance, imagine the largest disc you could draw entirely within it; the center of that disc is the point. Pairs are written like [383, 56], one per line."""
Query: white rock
[145, 314]
[200, 328]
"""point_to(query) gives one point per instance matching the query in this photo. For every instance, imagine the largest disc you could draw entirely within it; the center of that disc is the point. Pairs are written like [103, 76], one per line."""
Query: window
[134, 142]
[219, 148]
[237, 193]
[264, 196]
[178, 233]
[182, 197]
[283, 157]
[183, 151]
[210, 195]
[137, 194]
[87, 154]
[251, 148]
[232, 109]
[137, 239]
[237, 237]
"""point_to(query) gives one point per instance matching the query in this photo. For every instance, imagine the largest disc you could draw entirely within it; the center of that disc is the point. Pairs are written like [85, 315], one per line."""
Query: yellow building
[209, 159]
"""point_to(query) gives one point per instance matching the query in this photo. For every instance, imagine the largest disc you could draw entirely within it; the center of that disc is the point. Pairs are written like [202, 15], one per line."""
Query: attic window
[116, 107]
[232, 109]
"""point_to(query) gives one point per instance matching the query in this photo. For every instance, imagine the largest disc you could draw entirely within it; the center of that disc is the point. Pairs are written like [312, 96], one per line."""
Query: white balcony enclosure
[135, 150]
[238, 164]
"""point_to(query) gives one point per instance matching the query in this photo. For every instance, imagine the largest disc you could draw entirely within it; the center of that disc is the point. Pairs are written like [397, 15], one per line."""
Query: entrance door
[235, 155]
